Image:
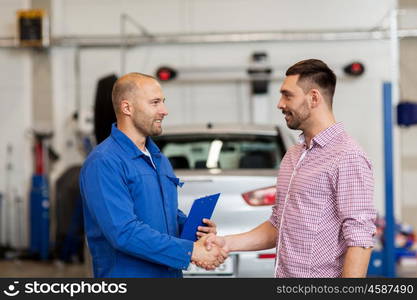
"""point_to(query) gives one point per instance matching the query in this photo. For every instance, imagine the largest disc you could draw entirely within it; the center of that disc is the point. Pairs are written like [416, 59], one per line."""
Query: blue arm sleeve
[181, 217]
[107, 198]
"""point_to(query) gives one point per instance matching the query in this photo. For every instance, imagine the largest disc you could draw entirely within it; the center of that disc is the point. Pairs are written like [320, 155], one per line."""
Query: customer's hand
[219, 241]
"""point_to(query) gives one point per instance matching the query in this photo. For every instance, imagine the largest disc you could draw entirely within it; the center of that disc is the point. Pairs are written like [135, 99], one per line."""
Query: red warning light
[354, 69]
[166, 73]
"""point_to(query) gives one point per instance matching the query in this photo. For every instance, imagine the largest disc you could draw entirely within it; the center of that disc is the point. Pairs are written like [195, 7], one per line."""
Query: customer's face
[294, 103]
[149, 108]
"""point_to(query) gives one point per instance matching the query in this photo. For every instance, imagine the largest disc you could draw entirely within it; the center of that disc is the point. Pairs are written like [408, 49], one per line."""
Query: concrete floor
[26, 268]
[56, 269]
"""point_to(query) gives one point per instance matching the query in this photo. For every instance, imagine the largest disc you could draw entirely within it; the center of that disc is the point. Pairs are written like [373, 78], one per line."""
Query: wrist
[194, 254]
[228, 243]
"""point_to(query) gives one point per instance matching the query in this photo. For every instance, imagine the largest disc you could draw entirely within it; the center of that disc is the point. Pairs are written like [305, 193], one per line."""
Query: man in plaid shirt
[323, 221]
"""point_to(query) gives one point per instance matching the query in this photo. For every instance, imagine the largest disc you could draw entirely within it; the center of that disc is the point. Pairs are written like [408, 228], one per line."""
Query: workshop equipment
[104, 115]
[2, 248]
[69, 245]
[39, 200]
[6, 204]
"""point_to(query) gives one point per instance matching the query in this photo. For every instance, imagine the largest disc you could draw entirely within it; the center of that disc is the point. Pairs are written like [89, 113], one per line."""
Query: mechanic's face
[294, 103]
[149, 108]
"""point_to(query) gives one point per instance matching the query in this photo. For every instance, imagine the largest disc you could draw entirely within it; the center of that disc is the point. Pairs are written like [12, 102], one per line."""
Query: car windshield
[222, 151]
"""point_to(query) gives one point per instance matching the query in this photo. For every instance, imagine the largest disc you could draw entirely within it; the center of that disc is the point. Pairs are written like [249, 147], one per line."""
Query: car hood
[218, 173]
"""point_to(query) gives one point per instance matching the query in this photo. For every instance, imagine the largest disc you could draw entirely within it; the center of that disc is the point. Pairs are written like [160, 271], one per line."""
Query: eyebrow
[161, 99]
[287, 92]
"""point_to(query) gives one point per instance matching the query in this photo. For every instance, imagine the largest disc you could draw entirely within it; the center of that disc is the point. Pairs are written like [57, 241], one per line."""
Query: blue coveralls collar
[129, 146]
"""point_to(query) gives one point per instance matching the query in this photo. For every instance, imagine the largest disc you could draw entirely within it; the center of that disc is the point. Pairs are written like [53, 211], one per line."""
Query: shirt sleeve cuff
[188, 247]
[362, 236]
[273, 221]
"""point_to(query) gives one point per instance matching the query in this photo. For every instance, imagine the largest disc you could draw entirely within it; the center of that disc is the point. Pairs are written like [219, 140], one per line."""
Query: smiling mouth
[287, 114]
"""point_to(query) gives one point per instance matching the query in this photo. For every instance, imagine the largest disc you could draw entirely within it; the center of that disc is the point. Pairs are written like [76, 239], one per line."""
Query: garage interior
[60, 57]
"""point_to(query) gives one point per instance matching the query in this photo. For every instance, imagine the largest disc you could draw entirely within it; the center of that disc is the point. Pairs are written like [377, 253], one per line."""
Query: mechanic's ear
[126, 107]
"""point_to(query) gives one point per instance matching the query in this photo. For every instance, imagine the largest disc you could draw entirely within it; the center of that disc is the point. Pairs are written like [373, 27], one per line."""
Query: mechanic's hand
[207, 259]
[204, 230]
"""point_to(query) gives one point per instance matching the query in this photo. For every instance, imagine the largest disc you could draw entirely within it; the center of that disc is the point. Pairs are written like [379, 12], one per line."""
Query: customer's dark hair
[315, 73]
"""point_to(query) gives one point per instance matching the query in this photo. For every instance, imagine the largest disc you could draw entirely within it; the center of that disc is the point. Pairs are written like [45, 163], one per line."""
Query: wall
[356, 99]
[408, 92]
[16, 122]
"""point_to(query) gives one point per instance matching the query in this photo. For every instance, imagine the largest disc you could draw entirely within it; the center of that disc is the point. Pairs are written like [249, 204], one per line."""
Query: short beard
[157, 133]
[300, 117]
[141, 129]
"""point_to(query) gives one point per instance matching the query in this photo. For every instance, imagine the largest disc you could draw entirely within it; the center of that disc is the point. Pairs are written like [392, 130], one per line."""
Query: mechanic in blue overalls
[129, 193]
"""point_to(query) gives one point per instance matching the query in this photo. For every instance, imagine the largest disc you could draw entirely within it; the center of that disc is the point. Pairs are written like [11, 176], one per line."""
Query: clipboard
[201, 208]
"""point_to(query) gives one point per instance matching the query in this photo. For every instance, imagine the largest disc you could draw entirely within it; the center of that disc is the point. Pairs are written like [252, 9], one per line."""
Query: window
[222, 151]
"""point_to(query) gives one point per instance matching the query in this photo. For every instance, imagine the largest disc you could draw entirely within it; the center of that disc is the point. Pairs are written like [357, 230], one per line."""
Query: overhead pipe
[213, 38]
[217, 38]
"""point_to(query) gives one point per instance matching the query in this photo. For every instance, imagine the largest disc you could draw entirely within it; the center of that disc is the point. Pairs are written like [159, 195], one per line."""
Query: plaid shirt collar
[325, 136]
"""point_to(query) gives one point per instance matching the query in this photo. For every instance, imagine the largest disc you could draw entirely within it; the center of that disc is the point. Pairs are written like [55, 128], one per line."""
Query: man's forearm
[262, 237]
[356, 262]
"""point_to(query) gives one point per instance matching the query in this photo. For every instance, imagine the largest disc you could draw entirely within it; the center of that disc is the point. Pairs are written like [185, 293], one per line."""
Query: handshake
[210, 250]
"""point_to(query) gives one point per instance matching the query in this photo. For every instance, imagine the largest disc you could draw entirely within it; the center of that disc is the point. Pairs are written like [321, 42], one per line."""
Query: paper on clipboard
[201, 208]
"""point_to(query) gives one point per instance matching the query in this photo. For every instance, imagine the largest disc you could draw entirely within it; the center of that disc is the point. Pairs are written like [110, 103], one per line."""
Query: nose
[163, 110]
[280, 104]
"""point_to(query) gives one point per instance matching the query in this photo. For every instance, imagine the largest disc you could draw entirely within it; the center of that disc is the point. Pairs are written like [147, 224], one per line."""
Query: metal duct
[214, 38]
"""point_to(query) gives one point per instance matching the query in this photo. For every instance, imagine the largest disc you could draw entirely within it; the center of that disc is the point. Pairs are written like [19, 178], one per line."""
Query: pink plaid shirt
[324, 205]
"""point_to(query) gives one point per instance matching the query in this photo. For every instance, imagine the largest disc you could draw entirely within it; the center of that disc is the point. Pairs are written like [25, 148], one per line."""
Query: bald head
[127, 86]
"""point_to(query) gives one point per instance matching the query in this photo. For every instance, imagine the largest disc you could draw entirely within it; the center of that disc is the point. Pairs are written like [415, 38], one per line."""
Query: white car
[240, 162]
